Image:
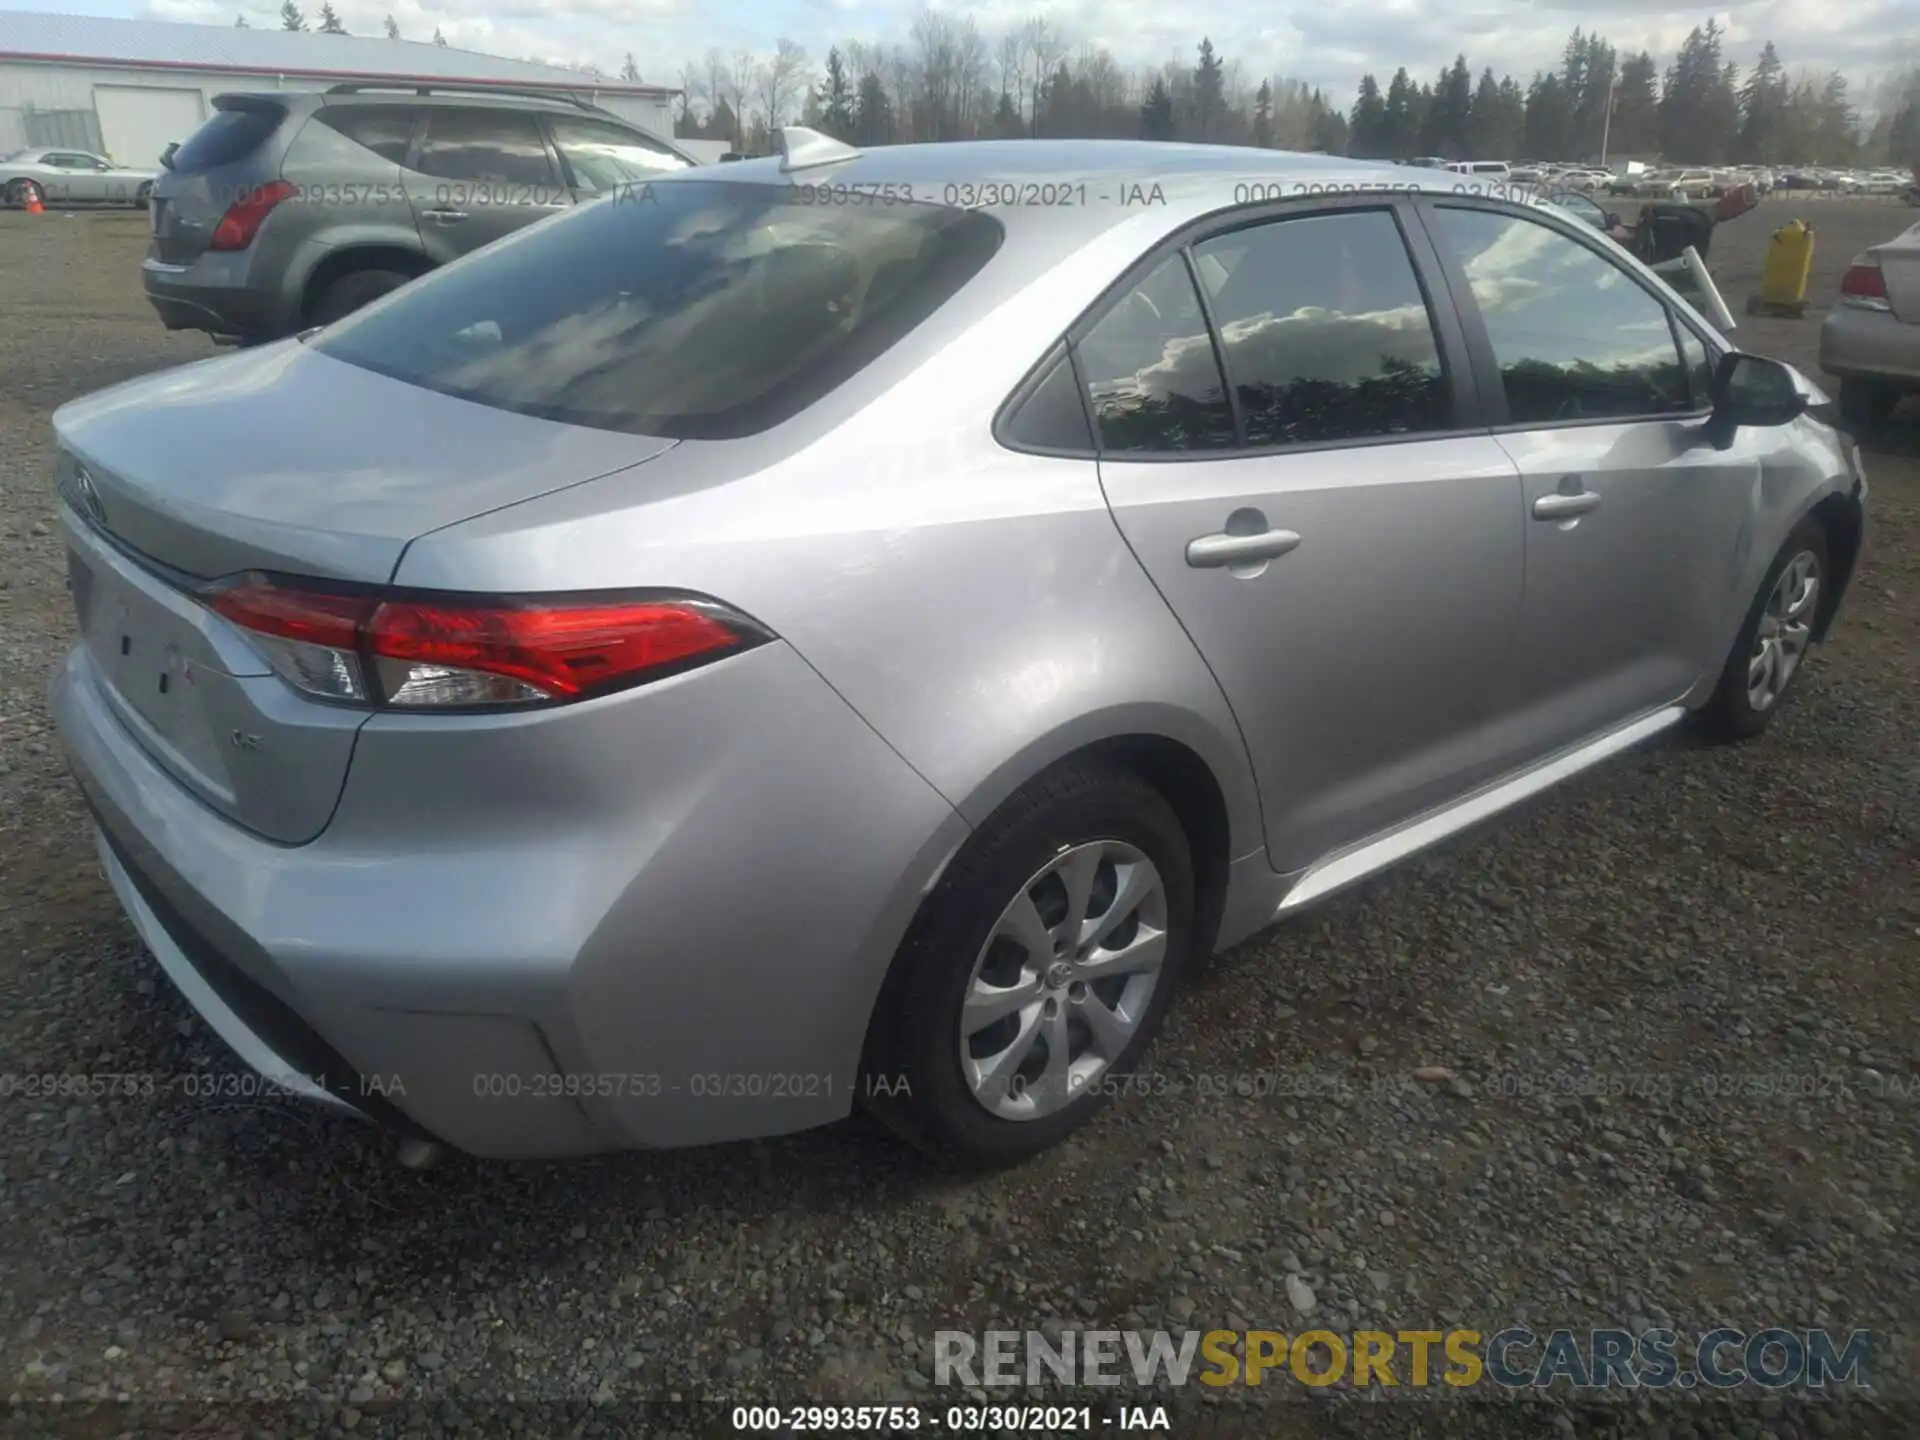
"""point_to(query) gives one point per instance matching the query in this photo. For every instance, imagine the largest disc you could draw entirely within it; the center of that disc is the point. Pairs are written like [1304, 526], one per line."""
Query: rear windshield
[232, 134]
[688, 309]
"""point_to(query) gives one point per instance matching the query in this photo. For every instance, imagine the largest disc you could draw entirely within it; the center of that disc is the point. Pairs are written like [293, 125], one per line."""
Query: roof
[163, 44]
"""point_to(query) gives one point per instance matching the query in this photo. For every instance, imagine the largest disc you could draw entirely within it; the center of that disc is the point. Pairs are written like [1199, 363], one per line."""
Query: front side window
[690, 309]
[1574, 336]
[1151, 372]
[1699, 362]
[604, 157]
[1326, 334]
[494, 147]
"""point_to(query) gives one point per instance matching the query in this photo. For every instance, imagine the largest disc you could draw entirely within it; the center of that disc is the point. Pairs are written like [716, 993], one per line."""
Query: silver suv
[285, 211]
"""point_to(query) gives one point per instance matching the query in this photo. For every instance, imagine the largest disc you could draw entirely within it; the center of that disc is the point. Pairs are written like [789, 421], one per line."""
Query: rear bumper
[212, 295]
[657, 921]
[1872, 344]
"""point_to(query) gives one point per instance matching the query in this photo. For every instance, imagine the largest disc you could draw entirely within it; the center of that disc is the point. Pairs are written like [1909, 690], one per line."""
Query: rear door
[1632, 519]
[1334, 529]
[478, 173]
[62, 167]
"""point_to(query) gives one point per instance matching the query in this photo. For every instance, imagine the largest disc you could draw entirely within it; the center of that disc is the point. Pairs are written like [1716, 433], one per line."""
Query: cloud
[1326, 45]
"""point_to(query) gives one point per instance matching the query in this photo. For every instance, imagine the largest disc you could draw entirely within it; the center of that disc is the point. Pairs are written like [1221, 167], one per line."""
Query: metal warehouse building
[128, 88]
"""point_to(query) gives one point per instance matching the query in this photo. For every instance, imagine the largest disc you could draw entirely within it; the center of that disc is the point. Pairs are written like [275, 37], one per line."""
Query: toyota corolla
[852, 629]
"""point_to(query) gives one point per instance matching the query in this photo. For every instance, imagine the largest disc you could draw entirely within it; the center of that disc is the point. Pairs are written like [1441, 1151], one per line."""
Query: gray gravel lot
[1676, 1000]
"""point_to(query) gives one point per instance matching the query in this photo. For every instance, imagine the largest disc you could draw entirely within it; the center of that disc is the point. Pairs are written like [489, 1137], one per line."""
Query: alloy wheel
[1065, 979]
[1786, 627]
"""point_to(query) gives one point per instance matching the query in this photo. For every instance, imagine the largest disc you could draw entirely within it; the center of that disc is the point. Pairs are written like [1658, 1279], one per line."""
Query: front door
[1341, 544]
[1632, 517]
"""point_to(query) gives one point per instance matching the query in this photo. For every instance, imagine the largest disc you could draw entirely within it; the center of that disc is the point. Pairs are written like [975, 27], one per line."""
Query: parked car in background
[1693, 185]
[287, 210]
[1495, 170]
[695, 666]
[55, 176]
[1870, 340]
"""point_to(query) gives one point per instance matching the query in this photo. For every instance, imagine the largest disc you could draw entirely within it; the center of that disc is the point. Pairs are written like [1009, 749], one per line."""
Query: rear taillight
[242, 221]
[1864, 285]
[439, 652]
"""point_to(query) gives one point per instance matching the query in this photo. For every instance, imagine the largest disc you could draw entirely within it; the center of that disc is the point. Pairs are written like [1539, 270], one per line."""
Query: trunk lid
[233, 154]
[274, 459]
[1900, 268]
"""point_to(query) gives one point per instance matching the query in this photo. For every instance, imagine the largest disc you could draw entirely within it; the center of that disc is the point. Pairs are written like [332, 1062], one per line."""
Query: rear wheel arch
[338, 264]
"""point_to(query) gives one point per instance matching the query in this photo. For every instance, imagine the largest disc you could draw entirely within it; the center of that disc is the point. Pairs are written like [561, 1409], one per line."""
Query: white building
[129, 88]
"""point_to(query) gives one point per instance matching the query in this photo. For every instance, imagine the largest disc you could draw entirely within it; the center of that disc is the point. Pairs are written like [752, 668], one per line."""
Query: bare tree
[691, 80]
[740, 76]
[1044, 53]
[1007, 56]
[780, 79]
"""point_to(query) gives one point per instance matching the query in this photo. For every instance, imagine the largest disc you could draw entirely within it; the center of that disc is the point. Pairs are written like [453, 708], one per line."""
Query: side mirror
[1751, 390]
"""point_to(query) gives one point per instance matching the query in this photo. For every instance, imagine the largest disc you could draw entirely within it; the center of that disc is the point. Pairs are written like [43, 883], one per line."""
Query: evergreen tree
[1367, 126]
[872, 111]
[1400, 127]
[1209, 92]
[438, 38]
[1450, 115]
[1263, 115]
[1636, 108]
[393, 30]
[1763, 103]
[629, 71]
[240, 23]
[329, 21]
[1156, 115]
[836, 98]
[290, 16]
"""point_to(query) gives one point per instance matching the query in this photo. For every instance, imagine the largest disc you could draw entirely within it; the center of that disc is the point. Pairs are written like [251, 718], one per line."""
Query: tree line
[950, 81]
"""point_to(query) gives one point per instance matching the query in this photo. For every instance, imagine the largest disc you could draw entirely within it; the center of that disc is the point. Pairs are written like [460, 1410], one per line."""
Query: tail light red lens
[450, 652]
[243, 218]
[1864, 285]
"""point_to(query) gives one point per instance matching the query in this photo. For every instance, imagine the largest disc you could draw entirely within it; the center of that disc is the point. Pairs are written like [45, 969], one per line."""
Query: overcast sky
[1329, 45]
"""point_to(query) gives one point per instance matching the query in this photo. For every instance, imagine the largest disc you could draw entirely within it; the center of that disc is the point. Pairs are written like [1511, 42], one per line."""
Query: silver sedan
[55, 176]
[855, 629]
[1870, 340]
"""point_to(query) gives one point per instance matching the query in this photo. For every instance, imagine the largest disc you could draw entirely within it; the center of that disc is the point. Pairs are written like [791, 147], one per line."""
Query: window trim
[1457, 365]
[1480, 343]
[423, 130]
[1003, 418]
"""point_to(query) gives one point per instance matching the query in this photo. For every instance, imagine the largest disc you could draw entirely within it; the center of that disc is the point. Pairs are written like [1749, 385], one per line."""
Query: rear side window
[385, 130]
[232, 134]
[605, 157]
[689, 309]
[1575, 337]
[497, 147]
[1151, 372]
[1326, 333]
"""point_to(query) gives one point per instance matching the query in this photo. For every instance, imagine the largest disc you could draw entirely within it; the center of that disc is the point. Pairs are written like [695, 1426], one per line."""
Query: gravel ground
[1621, 981]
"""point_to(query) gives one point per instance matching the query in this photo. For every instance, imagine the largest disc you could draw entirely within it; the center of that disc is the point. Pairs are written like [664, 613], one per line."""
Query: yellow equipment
[1789, 265]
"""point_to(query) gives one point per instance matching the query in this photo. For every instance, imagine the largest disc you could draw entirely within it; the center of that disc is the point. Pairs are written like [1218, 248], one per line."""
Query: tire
[1867, 402]
[22, 193]
[1099, 822]
[349, 292]
[1734, 712]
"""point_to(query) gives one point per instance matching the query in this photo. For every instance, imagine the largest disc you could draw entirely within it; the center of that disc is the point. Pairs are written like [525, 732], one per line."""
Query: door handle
[1562, 506]
[445, 217]
[1212, 551]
